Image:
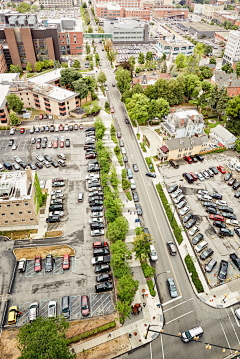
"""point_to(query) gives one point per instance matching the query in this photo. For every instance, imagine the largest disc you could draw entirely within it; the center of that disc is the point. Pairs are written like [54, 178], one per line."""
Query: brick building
[122, 3]
[113, 11]
[230, 81]
[3, 64]
[221, 36]
[170, 12]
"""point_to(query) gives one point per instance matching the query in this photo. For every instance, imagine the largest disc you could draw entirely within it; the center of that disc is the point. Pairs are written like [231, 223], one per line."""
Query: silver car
[33, 311]
[52, 309]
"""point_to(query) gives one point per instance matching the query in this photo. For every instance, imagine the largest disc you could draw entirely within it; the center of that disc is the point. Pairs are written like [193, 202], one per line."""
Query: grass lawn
[210, 125]
[18, 234]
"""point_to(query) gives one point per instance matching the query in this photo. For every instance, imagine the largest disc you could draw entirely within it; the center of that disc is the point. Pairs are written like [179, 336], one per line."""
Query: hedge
[148, 270]
[91, 332]
[172, 220]
[149, 163]
[191, 268]
[143, 147]
[151, 287]
[129, 196]
[4, 128]
[120, 160]
[124, 173]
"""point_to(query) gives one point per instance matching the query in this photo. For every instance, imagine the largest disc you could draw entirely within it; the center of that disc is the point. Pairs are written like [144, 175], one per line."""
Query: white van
[191, 334]
[153, 253]
[133, 185]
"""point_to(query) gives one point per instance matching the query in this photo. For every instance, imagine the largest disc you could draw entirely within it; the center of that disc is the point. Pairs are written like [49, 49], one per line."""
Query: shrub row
[151, 287]
[148, 270]
[125, 184]
[91, 332]
[149, 163]
[143, 147]
[4, 128]
[172, 220]
[124, 173]
[191, 268]
[129, 196]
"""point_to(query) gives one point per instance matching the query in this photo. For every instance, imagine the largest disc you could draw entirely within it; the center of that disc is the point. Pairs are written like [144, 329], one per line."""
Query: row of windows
[23, 220]
[13, 214]
[185, 154]
[16, 204]
[185, 149]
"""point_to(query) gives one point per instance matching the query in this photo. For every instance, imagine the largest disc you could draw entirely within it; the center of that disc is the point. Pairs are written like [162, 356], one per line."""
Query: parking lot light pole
[168, 271]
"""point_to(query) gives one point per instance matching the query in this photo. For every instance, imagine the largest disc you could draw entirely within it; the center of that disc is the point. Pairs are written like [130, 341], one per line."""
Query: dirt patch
[108, 350]
[8, 345]
[53, 234]
[56, 251]
[18, 234]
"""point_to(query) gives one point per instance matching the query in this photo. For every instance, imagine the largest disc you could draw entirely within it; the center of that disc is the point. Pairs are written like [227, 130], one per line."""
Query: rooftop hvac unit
[22, 19]
[31, 20]
[12, 20]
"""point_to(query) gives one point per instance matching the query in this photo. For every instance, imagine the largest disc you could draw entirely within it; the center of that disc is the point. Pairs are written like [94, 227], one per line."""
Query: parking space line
[75, 302]
[232, 325]
[24, 309]
[30, 272]
[73, 262]
[58, 269]
[43, 306]
[225, 336]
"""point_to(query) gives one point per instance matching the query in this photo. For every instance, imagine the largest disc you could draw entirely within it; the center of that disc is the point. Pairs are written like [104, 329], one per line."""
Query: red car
[61, 128]
[81, 126]
[85, 305]
[38, 145]
[55, 142]
[62, 144]
[187, 159]
[111, 109]
[40, 117]
[38, 264]
[193, 176]
[100, 244]
[66, 261]
[90, 155]
[221, 169]
[22, 130]
[216, 217]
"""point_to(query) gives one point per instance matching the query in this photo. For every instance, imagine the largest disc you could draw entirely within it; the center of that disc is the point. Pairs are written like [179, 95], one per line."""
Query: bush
[138, 136]
[125, 184]
[143, 147]
[172, 220]
[149, 163]
[117, 150]
[124, 173]
[148, 270]
[91, 332]
[151, 287]
[129, 196]
[120, 160]
[191, 268]
[100, 128]
[4, 128]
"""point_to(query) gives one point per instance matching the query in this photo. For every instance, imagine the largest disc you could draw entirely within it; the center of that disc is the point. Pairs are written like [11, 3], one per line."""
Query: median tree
[13, 118]
[149, 56]
[101, 79]
[118, 229]
[141, 58]
[123, 78]
[14, 103]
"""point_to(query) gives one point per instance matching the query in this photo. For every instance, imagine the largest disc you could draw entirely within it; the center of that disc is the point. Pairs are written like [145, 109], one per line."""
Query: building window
[19, 212]
[8, 205]
[31, 219]
[11, 214]
[3, 214]
[26, 204]
[6, 222]
[29, 211]
[180, 150]
[14, 221]
[17, 205]
[179, 155]
[23, 220]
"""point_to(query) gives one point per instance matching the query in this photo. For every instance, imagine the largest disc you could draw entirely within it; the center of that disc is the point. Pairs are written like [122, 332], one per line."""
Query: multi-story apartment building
[209, 9]
[18, 206]
[127, 30]
[174, 47]
[232, 50]
[122, 3]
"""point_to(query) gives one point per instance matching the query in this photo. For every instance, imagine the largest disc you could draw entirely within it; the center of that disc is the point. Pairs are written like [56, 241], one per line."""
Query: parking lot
[222, 246]
[80, 279]
[127, 50]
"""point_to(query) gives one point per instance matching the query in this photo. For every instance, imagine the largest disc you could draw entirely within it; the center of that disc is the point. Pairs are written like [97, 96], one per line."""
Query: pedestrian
[159, 305]
[128, 210]
[144, 304]
[143, 295]
[109, 334]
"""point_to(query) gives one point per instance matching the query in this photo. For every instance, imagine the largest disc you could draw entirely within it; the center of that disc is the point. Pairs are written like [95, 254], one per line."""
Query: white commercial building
[209, 9]
[174, 47]
[232, 51]
[127, 30]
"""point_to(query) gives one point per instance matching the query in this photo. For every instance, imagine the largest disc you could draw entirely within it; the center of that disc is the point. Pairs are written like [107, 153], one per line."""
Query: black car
[219, 224]
[103, 277]
[135, 197]
[139, 209]
[44, 145]
[90, 129]
[173, 188]
[212, 210]
[223, 268]
[236, 185]
[235, 259]
[71, 128]
[151, 174]
[49, 263]
[174, 164]
[11, 142]
[54, 164]
[95, 198]
[214, 170]
[93, 169]
[48, 158]
[197, 239]
[225, 209]
[52, 128]
[229, 215]
[103, 287]
[186, 218]
[67, 142]
[237, 195]
[32, 166]
[56, 207]
[227, 177]
[210, 204]
[89, 147]
[97, 252]
[189, 224]
[95, 203]
[223, 232]
[237, 230]
[126, 120]
[193, 159]
[97, 209]
[207, 253]
[39, 165]
[199, 158]
[210, 173]
[210, 265]
[216, 195]
[94, 184]
[102, 268]
[53, 219]
[23, 164]
[42, 129]
[97, 226]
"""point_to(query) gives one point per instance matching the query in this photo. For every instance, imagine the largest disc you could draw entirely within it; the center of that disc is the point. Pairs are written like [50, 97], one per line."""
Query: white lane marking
[151, 349]
[177, 305]
[234, 316]
[232, 326]
[180, 317]
[225, 336]
[162, 346]
[172, 300]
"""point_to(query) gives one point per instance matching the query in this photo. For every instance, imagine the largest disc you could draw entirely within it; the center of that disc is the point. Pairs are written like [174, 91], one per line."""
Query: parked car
[66, 261]
[210, 265]
[221, 169]
[216, 195]
[190, 223]
[184, 210]
[49, 263]
[216, 217]
[38, 264]
[235, 259]
[197, 239]
[232, 181]
[227, 177]
[103, 287]
[33, 311]
[85, 310]
[199, 247]
[206, 254]
[223, 232]
[173, 188]
[52, 309]
[223, 268]
[186, 218]
[138, 209]
[193, 230]
[214, 170]
[219, 224]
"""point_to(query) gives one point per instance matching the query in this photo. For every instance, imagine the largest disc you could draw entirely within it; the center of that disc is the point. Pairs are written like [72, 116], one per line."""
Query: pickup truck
[22, 265]
[101, 260]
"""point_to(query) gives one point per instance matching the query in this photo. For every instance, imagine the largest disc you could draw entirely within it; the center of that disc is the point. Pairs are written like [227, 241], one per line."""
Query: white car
[91, 176]
[17, 159]
[231, 166]
[237, 167]
[179, 198]
[46, 164]
[199, 176]
[96, 214]
[184, 210]
[56, 213]
[52, 309]
[237, 313]
[96, 220]
[153, 253]
[56, 128]
[57, 195]
[199, 247]
[56, 191]
[50, 144]
[39, 157]
[66, 128]
[176, 193]
[12, 131]
[205, 174]
[220, 202]
[193, 230]
[14, 146]
[97, 232]
[232, 222]
[205, 198]
[181, 204]
[202, 191]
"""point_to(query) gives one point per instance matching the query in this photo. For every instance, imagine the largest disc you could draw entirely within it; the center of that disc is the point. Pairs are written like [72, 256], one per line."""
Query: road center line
[234, 316]
[232, 325]
[180, 317]
[176, 305]
[172, 300]
[225, 336]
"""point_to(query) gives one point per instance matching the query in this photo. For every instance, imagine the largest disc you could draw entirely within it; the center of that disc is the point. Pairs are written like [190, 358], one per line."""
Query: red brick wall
[170, 12]
[74, 47]
[3, 64]
[138, 13]
[50, 47]
[11, 40]
[28, 46]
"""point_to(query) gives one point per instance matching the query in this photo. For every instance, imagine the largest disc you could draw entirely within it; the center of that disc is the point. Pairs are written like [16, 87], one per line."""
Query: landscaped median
[150, 164]
[194, 275]
[91, 332]
[172, 220]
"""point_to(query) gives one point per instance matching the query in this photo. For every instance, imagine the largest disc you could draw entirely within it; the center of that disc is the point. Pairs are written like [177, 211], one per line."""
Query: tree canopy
[123, 79]
[14, 103]
[68, 76]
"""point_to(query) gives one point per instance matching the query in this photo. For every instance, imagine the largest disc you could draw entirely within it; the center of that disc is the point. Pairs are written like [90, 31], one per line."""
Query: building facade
[174, 47]
[56, 3]
[113, 11]
[232, 50]
[71, 42]
[127, 30]
[222, 137]
[209, 9]
[230, 81]
[122, 3]
[3, 63]
[221, 36]
[170, 12]
[18, 206]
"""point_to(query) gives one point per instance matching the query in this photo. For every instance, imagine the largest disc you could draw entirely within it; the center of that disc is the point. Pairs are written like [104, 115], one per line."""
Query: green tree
[44, 338]
[38, 66]
[84, 5]
[237, 144]
[64, 65]
[138, 108]
[120, 253]
[127, 288]
[238, 68]
[164, 67]
[100, 30]
[233, 112]
[213, 61]
[124, 309]
[198, 51]
[227, 68]
[136, 89]
[91, 83]
[123, 79]
[138, 70]
[29, 67]
[222, 102]
[158, 108]
[90, 29]
[192, 86]
[76, 64]
[68, 76]
[50, 63]
[80, 87]
[151, 92]
[23, 7]
[205, 72]
[164, 57]
[141, 58]
[208, 50]
[97, 59]
[118, 229]
[126, 95]
[149, 56]
[16, 69]
[141, 245]
[101, 79]
[14, 103]
[8, 4]
[111, 55]
[14, 120]
[132, 61]
[180, 61]
[46, 63]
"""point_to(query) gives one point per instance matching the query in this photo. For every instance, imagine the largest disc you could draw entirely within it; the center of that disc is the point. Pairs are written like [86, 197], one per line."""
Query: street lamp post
[168, 271]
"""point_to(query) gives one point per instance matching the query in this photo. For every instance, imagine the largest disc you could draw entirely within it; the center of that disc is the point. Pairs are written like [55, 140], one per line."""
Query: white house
[184, 123]
[222, 137]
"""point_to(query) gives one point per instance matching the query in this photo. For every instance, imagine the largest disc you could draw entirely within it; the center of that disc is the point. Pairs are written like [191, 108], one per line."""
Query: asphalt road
[220, 325]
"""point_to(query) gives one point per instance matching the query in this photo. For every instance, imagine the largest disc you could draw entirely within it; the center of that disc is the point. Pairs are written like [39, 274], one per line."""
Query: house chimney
[182, 122]
[173, 110]
[230, 83]
[200, 110]
[192, 117]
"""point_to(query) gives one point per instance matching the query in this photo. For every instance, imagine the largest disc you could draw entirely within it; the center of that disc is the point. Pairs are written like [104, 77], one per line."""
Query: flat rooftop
[4, 91]
[9, 77]
[54, 92]
[15, 185]
[46, 78]
[205, 27]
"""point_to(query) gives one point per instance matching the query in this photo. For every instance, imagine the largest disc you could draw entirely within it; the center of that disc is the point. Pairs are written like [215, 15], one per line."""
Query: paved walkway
[42, 227]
